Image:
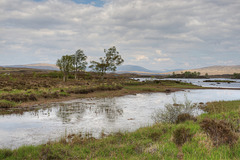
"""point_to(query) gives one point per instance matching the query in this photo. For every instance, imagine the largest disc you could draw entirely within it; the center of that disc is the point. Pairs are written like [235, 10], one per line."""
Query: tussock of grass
[7, 104]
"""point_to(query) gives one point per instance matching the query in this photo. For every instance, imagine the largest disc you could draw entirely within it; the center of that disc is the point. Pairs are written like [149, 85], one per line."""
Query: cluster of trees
[77, 62]
[236, 75]
[188, 74]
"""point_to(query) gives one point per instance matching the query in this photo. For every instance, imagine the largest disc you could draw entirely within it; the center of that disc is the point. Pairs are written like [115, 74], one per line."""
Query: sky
[155, 34]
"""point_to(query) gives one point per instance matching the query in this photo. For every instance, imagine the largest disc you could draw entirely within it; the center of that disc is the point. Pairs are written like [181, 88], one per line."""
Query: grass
[185, 140]
[7, 104]
[159, 141]
[32, 90]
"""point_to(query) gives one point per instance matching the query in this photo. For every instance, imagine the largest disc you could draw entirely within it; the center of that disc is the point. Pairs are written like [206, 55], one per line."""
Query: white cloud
[159, 52]
[141, 31]
[141, 58]
[162, 59]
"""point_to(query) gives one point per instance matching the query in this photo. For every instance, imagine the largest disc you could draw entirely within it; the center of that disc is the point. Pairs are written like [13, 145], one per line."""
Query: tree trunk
[64, 78]
[75, 74]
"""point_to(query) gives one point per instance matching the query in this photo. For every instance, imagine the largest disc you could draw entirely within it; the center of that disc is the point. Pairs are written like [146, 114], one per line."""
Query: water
[108, 115]
[200, 82]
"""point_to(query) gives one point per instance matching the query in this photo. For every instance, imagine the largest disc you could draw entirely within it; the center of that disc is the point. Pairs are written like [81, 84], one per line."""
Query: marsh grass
[7, 104]
[181, 133]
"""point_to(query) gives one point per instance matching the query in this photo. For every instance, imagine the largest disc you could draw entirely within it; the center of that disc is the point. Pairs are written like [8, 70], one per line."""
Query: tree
[206, 75]
[107, 63]
[65, 65]
[79, 61]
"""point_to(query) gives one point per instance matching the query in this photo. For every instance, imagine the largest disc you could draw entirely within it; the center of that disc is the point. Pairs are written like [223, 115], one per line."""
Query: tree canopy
[110, 62]
[79, 61]
[65, 65]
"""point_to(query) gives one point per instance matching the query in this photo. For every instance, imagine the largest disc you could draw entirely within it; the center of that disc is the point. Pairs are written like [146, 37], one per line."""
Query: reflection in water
[111, 112]
[67, 112]
[126, 113]
[74, 112]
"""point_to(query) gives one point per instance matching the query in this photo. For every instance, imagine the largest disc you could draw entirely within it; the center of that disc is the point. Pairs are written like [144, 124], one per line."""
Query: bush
[219, 131]
[185, 117]
[170, 113]
[181, 135]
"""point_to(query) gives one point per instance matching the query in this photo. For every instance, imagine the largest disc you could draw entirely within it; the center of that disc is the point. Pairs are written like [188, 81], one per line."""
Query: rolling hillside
[44, 66]
[213, 70]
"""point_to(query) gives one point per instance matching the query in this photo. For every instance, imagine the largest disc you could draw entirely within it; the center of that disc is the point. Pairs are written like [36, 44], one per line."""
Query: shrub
[181, 135]
[185, 117]
[219, 131]
[170, 112]
[155, 135]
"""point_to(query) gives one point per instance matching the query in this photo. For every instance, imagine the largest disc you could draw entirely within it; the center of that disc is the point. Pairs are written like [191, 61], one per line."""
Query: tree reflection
[74, 112]
[71, 112]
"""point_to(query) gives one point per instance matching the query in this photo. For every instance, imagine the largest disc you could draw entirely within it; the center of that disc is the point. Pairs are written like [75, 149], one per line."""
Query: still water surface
[126, 113]
[201, 82]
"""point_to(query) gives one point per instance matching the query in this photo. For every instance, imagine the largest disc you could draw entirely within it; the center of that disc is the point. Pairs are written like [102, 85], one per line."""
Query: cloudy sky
[156, 34]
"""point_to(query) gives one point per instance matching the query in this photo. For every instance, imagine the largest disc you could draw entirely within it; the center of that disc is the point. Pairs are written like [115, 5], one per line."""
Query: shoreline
[27, 106]
[159, 137]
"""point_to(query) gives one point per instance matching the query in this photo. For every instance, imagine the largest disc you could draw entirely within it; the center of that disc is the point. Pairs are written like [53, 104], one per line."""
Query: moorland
[211, 135]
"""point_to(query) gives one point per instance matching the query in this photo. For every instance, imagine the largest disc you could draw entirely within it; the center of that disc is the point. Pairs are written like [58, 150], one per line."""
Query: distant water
[200, 82]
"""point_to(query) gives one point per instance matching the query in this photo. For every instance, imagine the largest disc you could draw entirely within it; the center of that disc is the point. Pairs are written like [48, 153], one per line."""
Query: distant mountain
[213, 70]
[141, 70]
[120, 69]
[43, 66]
[167, 70]
[132, 68]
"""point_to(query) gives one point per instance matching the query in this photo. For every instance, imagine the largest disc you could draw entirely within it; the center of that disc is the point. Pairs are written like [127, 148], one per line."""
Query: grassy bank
[23, 92]
[187, 139]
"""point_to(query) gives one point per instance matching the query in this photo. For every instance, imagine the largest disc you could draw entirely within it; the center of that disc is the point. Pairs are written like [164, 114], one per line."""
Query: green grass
[7, 104]
[153, 142]
[222, 106]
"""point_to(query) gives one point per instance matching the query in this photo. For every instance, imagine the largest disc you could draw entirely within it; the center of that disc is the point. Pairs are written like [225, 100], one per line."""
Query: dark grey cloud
[187, 33]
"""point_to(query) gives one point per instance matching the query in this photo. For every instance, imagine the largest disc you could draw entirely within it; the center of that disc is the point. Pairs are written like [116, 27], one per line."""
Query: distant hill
[120, 69]
[43, 66]
[213, 70]
[141, 70]
[132, 68]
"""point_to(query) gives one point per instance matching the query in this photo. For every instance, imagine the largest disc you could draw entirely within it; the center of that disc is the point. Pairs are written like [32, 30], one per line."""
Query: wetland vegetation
[21, 91]
[212, 135]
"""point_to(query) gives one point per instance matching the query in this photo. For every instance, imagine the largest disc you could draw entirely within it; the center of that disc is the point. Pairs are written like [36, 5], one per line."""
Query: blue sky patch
[98, 3]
